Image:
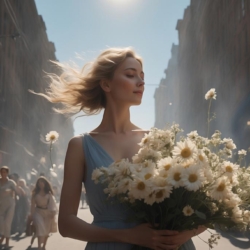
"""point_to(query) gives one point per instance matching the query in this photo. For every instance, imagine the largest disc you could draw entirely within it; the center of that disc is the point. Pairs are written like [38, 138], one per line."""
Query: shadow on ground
[238, 239]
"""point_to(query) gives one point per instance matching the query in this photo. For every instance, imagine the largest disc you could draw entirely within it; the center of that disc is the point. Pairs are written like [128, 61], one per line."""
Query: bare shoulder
[76, 141]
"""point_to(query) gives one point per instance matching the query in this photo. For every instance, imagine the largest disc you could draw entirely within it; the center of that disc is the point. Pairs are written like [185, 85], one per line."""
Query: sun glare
[123, 2]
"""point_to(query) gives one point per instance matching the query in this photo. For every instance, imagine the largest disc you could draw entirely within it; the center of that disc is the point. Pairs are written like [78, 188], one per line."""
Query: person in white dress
[7, 204]
[43, 211]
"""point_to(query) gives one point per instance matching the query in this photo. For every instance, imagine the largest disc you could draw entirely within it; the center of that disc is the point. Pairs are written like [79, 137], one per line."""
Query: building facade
[25, 54]
[213, 52]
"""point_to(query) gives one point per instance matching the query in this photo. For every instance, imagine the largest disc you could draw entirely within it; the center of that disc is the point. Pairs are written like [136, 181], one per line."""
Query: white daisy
[188, 210]
[193, 178]
[145, 141]
[140, 188]
[122, 169]
[52, 136]
[201, 156]
[210, 94]
[229, 143]
[185, 151]
[237, 216]
[165, 163]
[228, 168]
[146, 154]
[162, 193]
[221, 189]
[232, 201]
[123, 185]
[246, 216]
[174, 176]
[150, 199]
[242, 152]
[96, 174]
[193, 135]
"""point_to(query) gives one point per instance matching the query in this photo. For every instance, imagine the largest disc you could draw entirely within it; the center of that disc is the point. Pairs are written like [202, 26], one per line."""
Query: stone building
[213, 52]
[25, 118]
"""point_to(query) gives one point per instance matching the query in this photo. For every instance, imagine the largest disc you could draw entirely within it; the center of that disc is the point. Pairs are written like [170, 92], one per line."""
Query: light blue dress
[106, 214]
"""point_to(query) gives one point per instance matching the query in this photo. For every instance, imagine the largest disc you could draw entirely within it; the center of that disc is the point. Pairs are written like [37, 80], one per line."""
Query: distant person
[16, 223]
[24, 205]
[7, 205]
[43, 211]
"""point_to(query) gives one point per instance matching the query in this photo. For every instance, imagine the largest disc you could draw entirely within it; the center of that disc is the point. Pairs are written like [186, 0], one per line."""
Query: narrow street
[56, 241]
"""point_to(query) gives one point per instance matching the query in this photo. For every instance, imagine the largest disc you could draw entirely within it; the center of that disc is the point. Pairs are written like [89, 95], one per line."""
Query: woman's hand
[145, 235]
[186, 235]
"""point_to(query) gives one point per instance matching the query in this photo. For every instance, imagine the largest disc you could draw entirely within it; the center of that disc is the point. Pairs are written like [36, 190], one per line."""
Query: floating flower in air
[242, 152]
[52, 137]
[211, 94]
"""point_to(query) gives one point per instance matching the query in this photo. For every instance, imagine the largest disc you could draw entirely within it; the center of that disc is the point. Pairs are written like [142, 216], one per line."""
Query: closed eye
[130, 76]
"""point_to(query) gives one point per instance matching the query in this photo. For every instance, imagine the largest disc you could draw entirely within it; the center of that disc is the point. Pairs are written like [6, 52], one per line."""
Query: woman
[43, 211]
[7, 205]
[114, 82]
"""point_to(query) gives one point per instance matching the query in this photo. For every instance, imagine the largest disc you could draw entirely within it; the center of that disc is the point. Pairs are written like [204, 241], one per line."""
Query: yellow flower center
[147, 176]
[177, 176]
[167, 167]
[229, 169]
[201, 158]
[186, 152]
[192, 178]
[159, 194]
[188, 211]
[52, 137]
[141, 186]
[145, 141]
[221, 187]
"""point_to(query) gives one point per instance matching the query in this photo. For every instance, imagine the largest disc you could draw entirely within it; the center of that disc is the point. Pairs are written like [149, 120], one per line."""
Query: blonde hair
[80, 90]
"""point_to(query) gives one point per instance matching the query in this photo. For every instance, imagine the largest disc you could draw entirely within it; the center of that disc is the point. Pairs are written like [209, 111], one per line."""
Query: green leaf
[200, 215]
[170, 203]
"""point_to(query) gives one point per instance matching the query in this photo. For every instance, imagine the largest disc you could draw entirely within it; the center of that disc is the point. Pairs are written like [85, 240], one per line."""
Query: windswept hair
[47, 186]
[80, 90]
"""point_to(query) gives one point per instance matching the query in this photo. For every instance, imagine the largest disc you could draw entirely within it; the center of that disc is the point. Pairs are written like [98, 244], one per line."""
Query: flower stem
[208, 117]
[50, 150]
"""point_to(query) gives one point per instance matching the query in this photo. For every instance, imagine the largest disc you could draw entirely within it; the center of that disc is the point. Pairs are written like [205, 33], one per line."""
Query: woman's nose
[140, 82]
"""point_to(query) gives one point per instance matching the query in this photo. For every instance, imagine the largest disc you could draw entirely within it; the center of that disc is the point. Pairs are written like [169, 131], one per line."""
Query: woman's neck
[116, 121]
[4, 179]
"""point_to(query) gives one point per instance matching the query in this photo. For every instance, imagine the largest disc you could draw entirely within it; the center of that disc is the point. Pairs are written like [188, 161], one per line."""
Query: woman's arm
[73, 227]
[32, 207]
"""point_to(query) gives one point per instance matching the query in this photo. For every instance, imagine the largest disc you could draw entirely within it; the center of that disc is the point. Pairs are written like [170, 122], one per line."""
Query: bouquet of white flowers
[179, 185]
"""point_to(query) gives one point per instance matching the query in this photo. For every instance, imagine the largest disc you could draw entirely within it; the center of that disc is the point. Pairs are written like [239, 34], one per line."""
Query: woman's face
[4, 173]
[41, 184]
[127, 84]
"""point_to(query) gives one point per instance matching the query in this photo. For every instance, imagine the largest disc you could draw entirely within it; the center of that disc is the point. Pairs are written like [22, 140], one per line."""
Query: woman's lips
[138, 92]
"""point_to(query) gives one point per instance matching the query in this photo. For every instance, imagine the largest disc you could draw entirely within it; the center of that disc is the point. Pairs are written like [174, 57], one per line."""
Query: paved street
[56, 241]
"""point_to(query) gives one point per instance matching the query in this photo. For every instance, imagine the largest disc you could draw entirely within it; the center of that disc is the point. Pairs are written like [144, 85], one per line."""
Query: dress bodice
[41, 200]
[7, 189]
[101, 207]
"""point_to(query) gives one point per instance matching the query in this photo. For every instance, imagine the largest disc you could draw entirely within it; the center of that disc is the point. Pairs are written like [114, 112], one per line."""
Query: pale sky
[86, 27]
